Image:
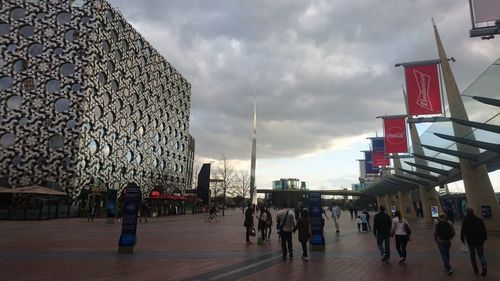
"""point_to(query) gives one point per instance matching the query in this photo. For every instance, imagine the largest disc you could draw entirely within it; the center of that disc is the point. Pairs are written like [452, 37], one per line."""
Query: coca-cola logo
[395, 135]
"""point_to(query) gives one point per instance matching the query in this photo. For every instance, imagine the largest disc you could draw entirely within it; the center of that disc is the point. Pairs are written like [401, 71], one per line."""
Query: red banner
[422, 86]
[395, 135]
[378, 158]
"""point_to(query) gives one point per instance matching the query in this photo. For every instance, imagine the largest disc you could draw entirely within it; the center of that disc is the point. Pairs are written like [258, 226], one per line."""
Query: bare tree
[241, 184]
[225, 173]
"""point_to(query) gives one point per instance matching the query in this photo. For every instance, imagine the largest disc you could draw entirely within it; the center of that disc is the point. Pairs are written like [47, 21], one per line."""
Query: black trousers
[401, 242]
[304, 248]
[286, 240]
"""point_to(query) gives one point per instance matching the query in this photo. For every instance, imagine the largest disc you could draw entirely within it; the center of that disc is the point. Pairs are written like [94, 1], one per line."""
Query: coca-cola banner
[395, 135]
[422, 86]
[378, 154]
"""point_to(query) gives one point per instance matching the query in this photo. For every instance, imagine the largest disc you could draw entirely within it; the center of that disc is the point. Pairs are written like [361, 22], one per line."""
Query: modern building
[86, 101]
[289, 184]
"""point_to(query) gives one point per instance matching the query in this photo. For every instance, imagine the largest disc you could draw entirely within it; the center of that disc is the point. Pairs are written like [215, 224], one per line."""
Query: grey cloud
[318, 69]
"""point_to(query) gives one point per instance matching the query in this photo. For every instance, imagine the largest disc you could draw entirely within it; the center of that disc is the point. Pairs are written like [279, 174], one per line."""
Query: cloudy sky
[320, 71]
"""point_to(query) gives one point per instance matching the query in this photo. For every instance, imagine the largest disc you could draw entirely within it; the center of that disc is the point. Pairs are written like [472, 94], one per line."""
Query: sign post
[317, 222]
[129, 223]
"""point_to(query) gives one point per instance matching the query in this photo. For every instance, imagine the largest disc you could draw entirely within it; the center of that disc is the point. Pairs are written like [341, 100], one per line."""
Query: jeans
[401, 242]
[286, 240]
[336, 222]
[384, 251]
[480, 252]
[444, 250]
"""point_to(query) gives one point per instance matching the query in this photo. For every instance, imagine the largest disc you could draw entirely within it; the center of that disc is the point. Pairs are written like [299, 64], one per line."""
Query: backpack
[444, 230]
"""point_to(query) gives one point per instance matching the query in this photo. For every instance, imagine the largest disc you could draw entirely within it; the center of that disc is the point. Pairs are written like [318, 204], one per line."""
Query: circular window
[35, 49]
[4, 28]
[157, 137]
[85, 20]
[58, 51]
[165, 140]
[118, 55]
[138, 158]
[97, 112]
[93, 146]
[129, 156]
[71, 35]
[56, 141]
[67, 69]
[41, 16]
[124, 45]
[53, 86]
[7, 139]
[62, 104]
[16, 160]
[23, 121]
[105, 46]
[110, 117]
[155, 162]
[12, 48]
[71, 124]
[131, 127]
[114, 36]
[15, 102]
[63, 18]
[114, 86]
[27, 31]
[66, 162]
[76, 87]
[20, 65]
[109, 15]
[110, 66]
[5, 82]
[141, 130]
[106, 150]
[138, 114]
[118, 104]
[106, 98]
[102, 78]
[135, 98]
[128, 110]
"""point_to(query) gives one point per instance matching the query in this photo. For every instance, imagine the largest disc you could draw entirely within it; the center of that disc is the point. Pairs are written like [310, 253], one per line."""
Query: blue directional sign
[316, 219]
[129, 224]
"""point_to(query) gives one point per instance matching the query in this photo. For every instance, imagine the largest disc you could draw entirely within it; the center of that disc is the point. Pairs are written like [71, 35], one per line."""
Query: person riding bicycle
[212, 211]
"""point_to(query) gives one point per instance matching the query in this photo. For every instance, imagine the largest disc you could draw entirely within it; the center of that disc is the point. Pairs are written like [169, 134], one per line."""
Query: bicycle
[214, 217]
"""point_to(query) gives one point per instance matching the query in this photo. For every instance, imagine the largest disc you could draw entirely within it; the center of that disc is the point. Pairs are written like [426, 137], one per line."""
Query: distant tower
[253, 190]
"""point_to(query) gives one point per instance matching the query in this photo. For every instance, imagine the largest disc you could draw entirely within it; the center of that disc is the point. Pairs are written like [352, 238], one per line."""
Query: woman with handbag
[401, 229]
[304, 228]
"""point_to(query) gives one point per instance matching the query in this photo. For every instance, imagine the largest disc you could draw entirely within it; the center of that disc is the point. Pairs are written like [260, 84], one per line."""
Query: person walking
[336, 216]
[382, 224]
[144, 211]
[285, 219]
[269, 223]
[399, 229]
[364, 222]
[367, 219]
[262, 226]
[248, 224]
[304, 228]
[92, 211]
[474, 233]
[444, 231]
[351, 209]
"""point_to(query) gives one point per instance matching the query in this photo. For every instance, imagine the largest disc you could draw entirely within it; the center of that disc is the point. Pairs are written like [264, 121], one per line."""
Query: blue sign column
[317, 222]
[129, 225]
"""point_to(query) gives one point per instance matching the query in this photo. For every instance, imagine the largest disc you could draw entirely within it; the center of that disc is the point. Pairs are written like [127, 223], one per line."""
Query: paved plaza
[187, 248]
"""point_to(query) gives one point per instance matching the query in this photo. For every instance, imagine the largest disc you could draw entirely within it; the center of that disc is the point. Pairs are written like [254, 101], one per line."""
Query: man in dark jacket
[248, 224]
[381, 229]
[474, 232]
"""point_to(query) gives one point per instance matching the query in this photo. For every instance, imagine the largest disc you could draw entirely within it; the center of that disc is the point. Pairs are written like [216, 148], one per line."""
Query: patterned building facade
[85, 100]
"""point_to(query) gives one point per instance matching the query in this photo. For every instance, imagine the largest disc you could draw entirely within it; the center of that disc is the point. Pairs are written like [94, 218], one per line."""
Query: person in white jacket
[399, 230]
[336, 215]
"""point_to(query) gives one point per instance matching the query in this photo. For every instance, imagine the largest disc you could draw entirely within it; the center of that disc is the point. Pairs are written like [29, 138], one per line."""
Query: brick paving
[187, 248]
